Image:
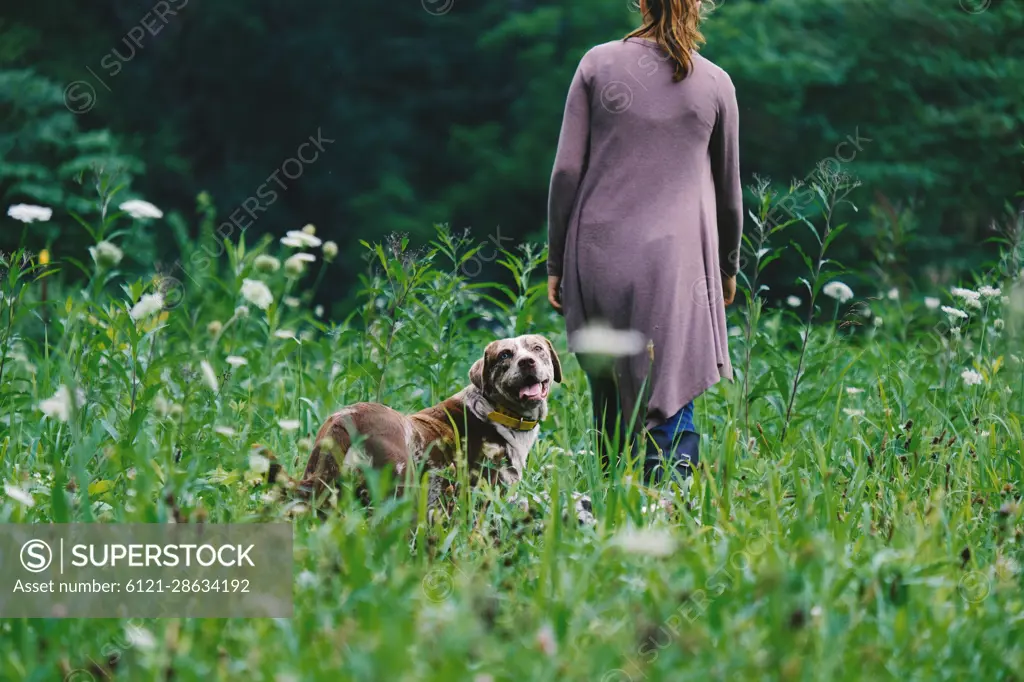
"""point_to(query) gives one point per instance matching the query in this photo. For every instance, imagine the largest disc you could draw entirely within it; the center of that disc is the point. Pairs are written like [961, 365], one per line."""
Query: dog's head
[517, 374]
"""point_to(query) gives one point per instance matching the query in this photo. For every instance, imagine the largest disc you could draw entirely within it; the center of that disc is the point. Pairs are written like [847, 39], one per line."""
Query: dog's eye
[538, 349]
[504, 355]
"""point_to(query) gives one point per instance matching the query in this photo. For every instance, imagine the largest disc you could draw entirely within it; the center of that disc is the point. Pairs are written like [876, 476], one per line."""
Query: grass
[856, 519]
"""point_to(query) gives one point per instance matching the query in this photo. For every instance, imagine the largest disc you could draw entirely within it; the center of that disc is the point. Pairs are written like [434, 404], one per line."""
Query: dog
[495, 421]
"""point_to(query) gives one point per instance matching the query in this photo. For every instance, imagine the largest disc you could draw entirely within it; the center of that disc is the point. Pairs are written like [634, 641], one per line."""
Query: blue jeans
[675, 441]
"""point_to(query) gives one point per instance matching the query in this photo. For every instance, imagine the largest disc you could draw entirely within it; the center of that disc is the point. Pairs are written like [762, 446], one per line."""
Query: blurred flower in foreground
[931, 303]
[266, 264]
[149, 304]
[646, 541]
[59, 406]
[209, 376]
[971, 378]
[893, 295]
[998, 324]
[838, 291]
[106, 255]
[257, 293]
[139, 209]
[330, 251]
[27, 213]
[310, 228]
[793, 301]
[298, 239]
[601, 339]
[18, 495]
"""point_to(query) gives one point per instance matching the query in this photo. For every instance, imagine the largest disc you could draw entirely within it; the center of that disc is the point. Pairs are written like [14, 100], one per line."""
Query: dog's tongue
[532, 392]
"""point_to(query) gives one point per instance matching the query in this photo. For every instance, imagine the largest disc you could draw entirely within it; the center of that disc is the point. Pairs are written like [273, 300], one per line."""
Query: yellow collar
[511, 421]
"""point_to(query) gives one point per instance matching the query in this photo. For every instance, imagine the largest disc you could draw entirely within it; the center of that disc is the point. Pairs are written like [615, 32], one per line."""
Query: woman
[645, 218]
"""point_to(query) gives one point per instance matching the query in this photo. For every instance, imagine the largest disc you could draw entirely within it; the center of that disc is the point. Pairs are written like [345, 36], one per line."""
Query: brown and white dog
[495, 420]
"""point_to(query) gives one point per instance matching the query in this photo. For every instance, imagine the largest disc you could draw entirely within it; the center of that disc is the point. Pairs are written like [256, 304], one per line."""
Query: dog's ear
[555, 362]
[476, 374]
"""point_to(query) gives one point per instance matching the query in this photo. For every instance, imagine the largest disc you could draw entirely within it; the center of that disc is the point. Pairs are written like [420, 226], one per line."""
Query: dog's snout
[527, 363]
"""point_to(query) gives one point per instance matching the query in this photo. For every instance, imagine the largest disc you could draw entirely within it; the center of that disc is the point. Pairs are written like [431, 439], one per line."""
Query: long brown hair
[675, 25]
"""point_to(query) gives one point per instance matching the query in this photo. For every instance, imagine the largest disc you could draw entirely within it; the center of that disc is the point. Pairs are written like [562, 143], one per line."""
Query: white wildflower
[955, 332]
[971, 299]
[954, 313]
[999, 324]
[646, 541]
[257, 293]
[546, 641]
[296, 265]
[266, 264]
[971, 378]
[236, 361]
[877, 321]
[318, 311]
[289, 424]
[139, 637]
[989, 292]
[209, 376]
[853, 390]
[137, 208]
[932, 303]
[242, 311]
[330, 250]
[310, 228]
[258, 464]
[214, 328]
[838, 291]
[19, 495]
[793, 301]
[27, 213]
[893, 295]
[106, 255]
[284, 334]
[973, 303]
[224, 431]
[306, 580]
[735, 331]
[601, 339]
[291, 301]
[59, 406]
[149, 304]
[298, 239]
[849, 412]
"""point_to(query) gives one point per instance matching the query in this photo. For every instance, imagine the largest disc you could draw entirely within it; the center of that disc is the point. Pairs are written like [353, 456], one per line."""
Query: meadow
[856, 516]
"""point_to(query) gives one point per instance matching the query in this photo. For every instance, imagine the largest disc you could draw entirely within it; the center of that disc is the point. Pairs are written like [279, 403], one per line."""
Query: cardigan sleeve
[725, 167]
[570, 165]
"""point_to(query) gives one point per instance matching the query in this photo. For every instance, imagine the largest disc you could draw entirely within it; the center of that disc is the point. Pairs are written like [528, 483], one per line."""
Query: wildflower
[289, 424]
[284, 334]
[600, 339]
[214, 328]
[954, 313]
[955, 332]
[209, 376]
[266, 264]
[291, 301]
[971, 378]
[59, 406]
[139, 209]
[838, 291]
[19, 495]
[989, 292]
[877, 321]
[793, 301]
[852, 412]
[735, 331]
[853, 390]
[224, 431]
[242, 311]
[295, 265]
[306, 580]
[139, 637]
[318, 311]
[894, 294]
[973, 303]
[257, 293]
[330, 250]
[27, 213]
[931, 302]
[309, 229]
[236, 361]
[106, 255]
[999, 324]
[149, 304]
[258, 464]
[299, 240]
[161, 407]
[546, 642]
[647, 541]
[971, 299]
